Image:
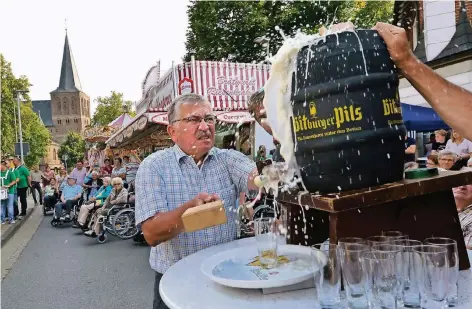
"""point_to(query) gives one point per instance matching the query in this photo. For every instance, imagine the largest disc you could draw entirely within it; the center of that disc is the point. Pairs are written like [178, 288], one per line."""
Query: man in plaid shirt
[190, 173]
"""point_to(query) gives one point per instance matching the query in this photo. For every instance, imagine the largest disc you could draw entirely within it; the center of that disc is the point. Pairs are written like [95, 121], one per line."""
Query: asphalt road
[61, 268]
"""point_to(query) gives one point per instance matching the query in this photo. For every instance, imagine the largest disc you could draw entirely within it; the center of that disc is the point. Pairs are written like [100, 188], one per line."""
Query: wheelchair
[263, 208]
[74, 213]
[47, 208]
[119, 221]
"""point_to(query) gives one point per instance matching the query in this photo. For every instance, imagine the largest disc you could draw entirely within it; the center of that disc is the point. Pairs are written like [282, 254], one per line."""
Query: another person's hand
[203, 198]
[338, 27]
[397, 43]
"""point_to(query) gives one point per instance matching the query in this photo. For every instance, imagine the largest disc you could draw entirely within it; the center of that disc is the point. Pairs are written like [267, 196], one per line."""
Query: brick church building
[67, 110]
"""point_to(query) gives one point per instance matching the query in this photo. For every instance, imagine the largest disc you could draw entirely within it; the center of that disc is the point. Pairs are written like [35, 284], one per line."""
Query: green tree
[225, 30]
[365, 14]
[74, 147]
[34, 132]
[109, 108]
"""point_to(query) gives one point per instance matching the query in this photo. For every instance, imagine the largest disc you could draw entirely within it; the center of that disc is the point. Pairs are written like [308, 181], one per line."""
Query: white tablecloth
[184, 286]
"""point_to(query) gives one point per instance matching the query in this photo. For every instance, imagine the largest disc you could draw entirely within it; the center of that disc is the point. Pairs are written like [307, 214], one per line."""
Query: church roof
[43, 109]
[69, 80]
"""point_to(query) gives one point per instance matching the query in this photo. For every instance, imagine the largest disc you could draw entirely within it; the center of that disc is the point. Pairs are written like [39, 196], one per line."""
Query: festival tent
[121, 121]
[421, 119]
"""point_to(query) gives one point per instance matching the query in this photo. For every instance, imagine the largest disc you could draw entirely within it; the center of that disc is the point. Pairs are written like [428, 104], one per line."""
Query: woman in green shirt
[7, 183]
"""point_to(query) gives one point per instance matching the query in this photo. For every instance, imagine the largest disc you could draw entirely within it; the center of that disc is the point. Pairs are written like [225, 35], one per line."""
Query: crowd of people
[98, 188]
[444, 153]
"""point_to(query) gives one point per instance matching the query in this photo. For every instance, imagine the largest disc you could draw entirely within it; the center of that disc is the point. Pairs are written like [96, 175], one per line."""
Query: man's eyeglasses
[209, 119]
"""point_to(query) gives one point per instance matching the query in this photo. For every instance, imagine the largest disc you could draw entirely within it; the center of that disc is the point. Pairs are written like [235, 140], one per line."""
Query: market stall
[227, 86]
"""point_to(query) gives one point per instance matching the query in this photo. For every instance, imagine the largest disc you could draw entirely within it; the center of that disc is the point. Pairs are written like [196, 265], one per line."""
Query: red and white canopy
[228, 86]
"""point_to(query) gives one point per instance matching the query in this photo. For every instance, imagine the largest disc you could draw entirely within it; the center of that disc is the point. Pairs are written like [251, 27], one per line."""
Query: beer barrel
[347, 123]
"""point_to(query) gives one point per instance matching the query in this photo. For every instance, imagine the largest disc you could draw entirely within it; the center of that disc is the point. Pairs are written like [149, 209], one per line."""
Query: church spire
[69, 80]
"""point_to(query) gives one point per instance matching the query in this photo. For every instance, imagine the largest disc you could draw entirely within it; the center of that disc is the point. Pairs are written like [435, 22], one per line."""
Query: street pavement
[61, 268]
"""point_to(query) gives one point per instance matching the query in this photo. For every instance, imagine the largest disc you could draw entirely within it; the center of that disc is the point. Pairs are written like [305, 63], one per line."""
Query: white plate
[231, 268]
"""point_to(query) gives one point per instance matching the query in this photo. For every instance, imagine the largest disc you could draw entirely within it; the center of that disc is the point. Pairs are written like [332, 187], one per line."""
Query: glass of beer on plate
[266, 236]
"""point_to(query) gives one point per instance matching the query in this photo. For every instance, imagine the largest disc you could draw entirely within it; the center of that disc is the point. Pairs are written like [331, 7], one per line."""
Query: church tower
[70, 106]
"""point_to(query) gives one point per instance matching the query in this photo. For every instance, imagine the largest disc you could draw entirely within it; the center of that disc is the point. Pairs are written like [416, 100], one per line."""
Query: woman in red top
[106, 169]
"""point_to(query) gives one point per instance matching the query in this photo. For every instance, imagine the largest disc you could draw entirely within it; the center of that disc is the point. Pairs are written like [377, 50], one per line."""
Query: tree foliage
[226, 30]
[109, 108]
[34, 132]
[74, 147]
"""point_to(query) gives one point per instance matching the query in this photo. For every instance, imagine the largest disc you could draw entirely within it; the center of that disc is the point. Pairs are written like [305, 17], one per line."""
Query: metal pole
[19, 123]
[16, 128]
[268, 50]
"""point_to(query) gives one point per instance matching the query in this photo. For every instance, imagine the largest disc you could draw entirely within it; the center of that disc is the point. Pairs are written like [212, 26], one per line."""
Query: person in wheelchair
[118, 195]
[95, 201]
[92, 185]
[50, 194]
[69, 198]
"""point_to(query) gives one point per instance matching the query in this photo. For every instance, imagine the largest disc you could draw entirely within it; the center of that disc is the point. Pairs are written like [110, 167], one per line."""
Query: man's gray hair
[445, 152]
[172, 110]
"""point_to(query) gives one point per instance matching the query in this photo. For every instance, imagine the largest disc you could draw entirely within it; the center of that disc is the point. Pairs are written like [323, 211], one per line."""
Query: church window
[64, 106]
[59, 106]
[58, 121]
[54, 154]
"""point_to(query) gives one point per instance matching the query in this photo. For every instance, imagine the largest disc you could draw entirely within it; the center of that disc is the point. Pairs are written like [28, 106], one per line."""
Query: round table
[184, 286]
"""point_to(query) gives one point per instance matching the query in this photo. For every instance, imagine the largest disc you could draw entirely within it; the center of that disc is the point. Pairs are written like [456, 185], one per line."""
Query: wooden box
[419, 208]
[203, 216]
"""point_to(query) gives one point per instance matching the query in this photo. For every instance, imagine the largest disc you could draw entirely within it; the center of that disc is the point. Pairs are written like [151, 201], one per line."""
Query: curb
[11, 231]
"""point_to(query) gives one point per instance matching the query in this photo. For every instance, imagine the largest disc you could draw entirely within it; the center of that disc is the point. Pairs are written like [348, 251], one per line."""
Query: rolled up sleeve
[240, 167]
[150, 191]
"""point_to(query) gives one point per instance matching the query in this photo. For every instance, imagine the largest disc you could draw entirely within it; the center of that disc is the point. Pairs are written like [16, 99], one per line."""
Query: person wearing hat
[69, 198]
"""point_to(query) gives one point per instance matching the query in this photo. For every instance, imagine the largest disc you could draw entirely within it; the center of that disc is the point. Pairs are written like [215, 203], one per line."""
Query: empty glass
[350, 240]
[354, 274]
[328, 278]
[432, 272]
[391, 233]
[411, 292]
[395, 253]
[372, 240]
[382, 278]
[453, 261]
[266, 236]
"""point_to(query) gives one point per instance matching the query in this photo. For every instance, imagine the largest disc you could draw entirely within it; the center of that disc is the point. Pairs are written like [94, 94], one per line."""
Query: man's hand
[203, 198]
[397, 43]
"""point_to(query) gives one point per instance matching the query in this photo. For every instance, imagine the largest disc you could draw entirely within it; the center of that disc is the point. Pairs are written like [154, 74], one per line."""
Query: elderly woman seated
[97, 200]
[92, 185]
[118, 195]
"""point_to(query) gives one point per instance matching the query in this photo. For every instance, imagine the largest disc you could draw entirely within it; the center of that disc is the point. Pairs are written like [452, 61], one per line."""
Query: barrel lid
[421, 173]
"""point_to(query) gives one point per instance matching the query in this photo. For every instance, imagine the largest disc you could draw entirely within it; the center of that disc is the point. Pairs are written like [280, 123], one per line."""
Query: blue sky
[114, 43]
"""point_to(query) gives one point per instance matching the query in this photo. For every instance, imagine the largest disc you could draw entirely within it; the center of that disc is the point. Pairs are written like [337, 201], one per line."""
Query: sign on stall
[235, 117]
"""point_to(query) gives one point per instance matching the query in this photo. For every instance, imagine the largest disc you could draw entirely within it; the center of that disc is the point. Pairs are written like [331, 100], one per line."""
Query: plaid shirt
[169, 178]
[465, 218]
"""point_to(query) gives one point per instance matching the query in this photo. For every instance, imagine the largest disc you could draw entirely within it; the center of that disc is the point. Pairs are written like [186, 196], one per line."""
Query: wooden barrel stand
[420, 208]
